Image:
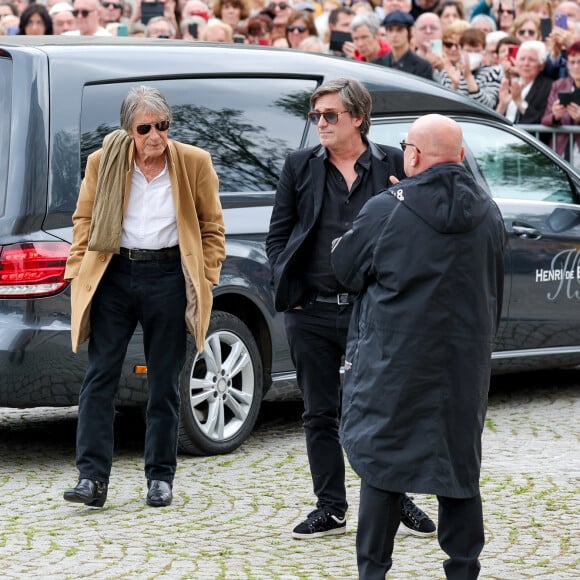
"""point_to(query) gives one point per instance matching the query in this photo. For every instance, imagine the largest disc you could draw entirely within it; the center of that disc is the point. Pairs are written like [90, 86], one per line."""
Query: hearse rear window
[248, 125]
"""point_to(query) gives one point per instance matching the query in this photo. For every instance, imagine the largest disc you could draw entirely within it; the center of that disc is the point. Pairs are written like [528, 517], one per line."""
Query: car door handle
[526, 232]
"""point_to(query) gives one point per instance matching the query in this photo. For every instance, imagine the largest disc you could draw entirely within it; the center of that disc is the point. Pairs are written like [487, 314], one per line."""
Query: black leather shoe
[159, 494]
[91, 493]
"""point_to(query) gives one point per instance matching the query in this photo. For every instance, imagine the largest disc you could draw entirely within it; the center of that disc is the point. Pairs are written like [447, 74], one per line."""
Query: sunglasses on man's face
[84, 13]
[143, 129]
[296, 28]
[112, 5]
[330, 118]
[404, 146]
[451, 45]
[282, 6]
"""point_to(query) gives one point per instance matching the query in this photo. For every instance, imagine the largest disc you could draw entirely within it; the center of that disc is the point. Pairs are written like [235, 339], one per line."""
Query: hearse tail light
[32, 269]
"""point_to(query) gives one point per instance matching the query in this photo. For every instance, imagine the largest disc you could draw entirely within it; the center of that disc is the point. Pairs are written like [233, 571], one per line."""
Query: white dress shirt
[512, 109]
[100, 32]
[149, 223]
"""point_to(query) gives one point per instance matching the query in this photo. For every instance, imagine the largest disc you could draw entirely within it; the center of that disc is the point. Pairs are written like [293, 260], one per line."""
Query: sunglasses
[143, 129]
[404, 145]
[296, 28]
[331, 118]
[84, 13]
[281, 6]
[451, 45]
[112, 5]
[506, 11]
[525, 31]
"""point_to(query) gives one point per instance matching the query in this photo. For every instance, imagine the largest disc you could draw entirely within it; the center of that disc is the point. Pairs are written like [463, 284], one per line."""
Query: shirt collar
[365, 157]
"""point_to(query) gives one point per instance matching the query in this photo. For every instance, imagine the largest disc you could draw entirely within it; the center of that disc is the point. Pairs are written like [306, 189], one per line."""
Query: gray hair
[538, 46]
[483, 19]
[160, 19]
[369, 19]
[313, 43]
[146, 99]
[355, 98]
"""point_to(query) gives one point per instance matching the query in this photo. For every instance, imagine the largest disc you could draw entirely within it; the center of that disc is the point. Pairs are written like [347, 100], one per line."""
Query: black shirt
[410, 63]
[339, 208]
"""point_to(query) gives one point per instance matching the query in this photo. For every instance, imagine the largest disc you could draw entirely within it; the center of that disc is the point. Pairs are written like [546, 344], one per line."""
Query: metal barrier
[538, 130]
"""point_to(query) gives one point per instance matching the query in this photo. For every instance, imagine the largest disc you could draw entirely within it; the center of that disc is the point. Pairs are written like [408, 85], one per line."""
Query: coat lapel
[318, 173]
[380, 169]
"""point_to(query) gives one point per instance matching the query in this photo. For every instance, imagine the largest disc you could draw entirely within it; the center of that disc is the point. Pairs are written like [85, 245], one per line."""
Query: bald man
[426, 256]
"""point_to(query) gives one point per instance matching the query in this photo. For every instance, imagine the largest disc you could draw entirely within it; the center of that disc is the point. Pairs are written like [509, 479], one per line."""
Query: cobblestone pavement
[232, 515]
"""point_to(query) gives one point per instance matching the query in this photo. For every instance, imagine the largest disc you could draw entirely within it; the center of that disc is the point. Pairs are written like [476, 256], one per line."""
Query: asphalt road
[232, 515]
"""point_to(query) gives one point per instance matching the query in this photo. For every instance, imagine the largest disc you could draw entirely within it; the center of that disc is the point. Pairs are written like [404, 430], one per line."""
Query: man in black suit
[398, 25]
[320, 192]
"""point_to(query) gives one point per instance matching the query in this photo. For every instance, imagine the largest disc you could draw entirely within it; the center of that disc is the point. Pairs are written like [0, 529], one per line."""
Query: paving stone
[232, 515]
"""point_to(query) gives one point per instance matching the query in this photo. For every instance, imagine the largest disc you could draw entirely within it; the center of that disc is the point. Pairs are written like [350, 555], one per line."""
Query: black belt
[341, 299]
[148, 255]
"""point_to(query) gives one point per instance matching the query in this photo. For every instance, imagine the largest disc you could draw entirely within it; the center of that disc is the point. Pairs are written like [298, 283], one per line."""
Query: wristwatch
[523, 107]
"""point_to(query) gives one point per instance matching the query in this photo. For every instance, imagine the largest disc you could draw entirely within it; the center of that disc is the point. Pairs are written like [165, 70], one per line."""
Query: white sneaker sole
[417, 534]
[333, 532]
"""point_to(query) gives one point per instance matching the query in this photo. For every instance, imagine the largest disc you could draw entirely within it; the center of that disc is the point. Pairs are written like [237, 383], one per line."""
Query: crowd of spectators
[510, 55]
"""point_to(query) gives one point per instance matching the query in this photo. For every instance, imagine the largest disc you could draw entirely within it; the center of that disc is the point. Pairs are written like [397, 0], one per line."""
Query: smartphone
[546, 27]
[337, 39]
[239, 38]
[513, 51]
[151, 9]
[561, 21]
[122, 30]
[192, 28]
[567, 98]
[437, 46]
[263, 42]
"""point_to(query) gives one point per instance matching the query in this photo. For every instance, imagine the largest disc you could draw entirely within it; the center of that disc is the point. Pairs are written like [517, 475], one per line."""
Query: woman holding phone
[558, 113]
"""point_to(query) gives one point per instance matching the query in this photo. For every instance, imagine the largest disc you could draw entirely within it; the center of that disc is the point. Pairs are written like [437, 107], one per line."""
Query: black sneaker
[415, 519]
[320, 523]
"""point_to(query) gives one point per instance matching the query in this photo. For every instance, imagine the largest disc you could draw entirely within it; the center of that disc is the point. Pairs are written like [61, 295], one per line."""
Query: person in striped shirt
[466, 74]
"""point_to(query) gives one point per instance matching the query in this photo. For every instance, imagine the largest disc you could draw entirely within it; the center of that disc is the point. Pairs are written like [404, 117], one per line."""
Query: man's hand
[348, 48]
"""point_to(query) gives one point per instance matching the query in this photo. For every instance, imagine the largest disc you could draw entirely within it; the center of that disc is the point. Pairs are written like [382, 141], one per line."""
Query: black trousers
[317, 336]
[460, 533]
[152, 293]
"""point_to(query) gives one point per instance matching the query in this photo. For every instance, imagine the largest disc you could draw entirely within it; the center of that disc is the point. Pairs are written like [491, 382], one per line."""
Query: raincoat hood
[455, 203]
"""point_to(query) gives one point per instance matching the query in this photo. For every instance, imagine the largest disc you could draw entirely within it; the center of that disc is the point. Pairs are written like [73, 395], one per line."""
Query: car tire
[221, 389]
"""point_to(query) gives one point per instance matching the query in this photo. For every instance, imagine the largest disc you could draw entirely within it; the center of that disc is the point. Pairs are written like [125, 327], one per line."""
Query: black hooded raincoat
[427, 257]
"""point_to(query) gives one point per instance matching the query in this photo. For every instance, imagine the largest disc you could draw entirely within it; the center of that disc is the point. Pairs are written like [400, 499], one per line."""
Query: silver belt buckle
[342, 299]
[130, 256]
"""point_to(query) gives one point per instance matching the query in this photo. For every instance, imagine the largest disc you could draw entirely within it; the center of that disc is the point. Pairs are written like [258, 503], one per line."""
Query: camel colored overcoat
[201, 238]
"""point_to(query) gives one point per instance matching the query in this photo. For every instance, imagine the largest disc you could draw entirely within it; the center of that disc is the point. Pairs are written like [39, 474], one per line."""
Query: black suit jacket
[410, 63]
[537, 99]
[298, 202]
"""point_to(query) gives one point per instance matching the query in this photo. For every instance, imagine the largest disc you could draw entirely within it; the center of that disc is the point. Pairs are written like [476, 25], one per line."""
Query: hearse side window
[248, 125]
[5, 107]
[512, 167]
